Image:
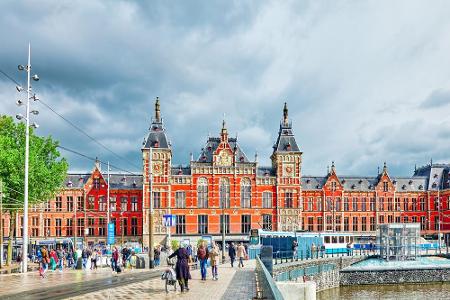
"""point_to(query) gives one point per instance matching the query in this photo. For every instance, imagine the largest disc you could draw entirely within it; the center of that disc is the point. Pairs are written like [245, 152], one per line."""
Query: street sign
[170, 220]
[111, 231]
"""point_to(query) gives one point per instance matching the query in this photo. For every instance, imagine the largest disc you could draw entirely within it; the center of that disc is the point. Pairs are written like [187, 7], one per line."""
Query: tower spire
[224, 133]
[157, 111]
[285, 115]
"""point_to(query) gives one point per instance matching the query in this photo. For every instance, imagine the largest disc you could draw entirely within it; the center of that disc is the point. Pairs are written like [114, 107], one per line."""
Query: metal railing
[290, 256]
[266, 287]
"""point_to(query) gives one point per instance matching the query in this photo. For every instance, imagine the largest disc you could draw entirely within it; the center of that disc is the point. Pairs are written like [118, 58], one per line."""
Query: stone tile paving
[17, 283]
[233, 283]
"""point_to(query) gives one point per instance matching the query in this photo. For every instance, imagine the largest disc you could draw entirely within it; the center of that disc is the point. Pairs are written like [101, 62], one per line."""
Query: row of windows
[123, 205]
[360, 223]
[59, 225]
[365, 204]
[224, 198]
[203, 224]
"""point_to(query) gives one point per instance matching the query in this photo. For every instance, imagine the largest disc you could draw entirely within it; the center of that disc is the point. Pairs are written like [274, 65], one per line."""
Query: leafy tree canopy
[47, 170]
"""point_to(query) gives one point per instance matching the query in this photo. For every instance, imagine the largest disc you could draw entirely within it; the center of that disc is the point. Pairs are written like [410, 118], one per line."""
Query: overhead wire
[95, 159]
[74, 125]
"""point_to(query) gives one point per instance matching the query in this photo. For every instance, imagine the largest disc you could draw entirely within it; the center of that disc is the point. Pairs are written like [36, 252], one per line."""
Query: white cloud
[356, 75]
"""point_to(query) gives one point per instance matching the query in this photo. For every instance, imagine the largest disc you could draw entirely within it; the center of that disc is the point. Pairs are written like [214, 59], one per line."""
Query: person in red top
[114, 259]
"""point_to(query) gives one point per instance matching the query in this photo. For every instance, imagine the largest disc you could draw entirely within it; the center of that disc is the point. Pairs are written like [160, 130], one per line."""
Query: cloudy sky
[365, 81]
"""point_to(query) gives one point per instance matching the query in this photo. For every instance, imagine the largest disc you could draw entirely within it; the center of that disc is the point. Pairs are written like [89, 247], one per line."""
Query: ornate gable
[332, 182]
[385, 184]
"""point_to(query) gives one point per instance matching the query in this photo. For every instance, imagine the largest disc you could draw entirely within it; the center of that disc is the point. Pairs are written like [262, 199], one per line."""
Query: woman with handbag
[44, 261]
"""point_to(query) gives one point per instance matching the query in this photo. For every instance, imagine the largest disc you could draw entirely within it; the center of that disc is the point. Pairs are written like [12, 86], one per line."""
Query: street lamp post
[27, 150]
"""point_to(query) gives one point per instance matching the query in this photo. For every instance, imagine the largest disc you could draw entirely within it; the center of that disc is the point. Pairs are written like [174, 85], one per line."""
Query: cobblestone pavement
[19, 283]
[233, 283]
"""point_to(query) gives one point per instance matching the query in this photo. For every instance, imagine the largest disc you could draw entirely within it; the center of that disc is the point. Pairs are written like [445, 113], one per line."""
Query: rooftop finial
[285, 114]
[328, 169]
[384, 168]
[431, 162]
[256, 156]
[157, 110]
[333, 168]
[224, 134]
[378, 170]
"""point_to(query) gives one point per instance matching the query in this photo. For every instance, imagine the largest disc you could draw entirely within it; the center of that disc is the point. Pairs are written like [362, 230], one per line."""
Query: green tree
[47, 170]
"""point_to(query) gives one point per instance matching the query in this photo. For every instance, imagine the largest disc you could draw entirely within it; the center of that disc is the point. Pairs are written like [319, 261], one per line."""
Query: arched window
[224, 193]
[202, 193]
[246, 193]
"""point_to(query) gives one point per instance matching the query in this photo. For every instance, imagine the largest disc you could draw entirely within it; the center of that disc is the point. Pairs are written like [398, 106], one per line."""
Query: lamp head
[35, 97]
[35, 77]
[19, 116]
[35, 112]
[19, 88]
[35, 125]
[20, 67]
[19, 102]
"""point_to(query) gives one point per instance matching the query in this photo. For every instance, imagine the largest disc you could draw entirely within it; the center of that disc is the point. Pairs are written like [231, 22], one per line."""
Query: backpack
[201, 253]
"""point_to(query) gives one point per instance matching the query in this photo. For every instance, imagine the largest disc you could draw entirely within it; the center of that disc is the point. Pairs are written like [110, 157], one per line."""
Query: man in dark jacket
[232, 253]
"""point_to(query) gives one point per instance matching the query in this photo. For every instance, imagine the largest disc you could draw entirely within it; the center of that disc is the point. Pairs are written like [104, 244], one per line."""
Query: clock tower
[286, 162]
[157, 159]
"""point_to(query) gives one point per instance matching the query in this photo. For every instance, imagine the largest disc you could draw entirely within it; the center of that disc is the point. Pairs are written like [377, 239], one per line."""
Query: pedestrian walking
[182, 267]
[45, 260]
[60, 255]
[294, 249]
[157, 256]
[232, 253]
[202, 256]
[214, 259]
[84, 257]
[94, 258]
[53, 259]
[241, 254]
[114, 259]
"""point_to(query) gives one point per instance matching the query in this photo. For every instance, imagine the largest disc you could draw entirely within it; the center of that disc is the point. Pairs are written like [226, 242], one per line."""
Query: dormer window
[420, 187]
[308, 181]
[209, 148]
[343, 181]
[134, 183]
[353, 186]
[156, 144]
[360, 181]
[288, 146]
[435, 175]
[404, 187]
[434, 185]
[370, 187]
[241, 159]
[410, 182]
[394, 182]
[180, 172]
[203, 158]
[318, 186]
[69, 183]
[124, 178]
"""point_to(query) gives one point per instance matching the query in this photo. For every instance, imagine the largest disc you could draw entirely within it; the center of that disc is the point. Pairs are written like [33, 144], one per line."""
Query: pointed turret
[286, 140]
[157, 136]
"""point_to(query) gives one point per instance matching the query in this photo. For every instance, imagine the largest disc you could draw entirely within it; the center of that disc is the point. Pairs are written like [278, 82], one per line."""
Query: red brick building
[222, 185]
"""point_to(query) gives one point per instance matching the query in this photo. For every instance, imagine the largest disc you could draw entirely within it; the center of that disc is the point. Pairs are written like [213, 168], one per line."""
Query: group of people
[184, 255]
[128, 259]
[62, 257]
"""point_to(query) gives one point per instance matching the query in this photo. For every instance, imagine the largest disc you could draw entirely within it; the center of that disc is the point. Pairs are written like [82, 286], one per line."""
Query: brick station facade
[223, 188]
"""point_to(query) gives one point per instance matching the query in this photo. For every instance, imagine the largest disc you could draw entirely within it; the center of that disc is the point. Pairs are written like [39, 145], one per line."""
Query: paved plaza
[233, 283]
[142, 284]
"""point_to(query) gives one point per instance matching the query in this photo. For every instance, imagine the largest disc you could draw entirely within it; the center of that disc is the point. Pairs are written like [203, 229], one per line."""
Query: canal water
[429, 291]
